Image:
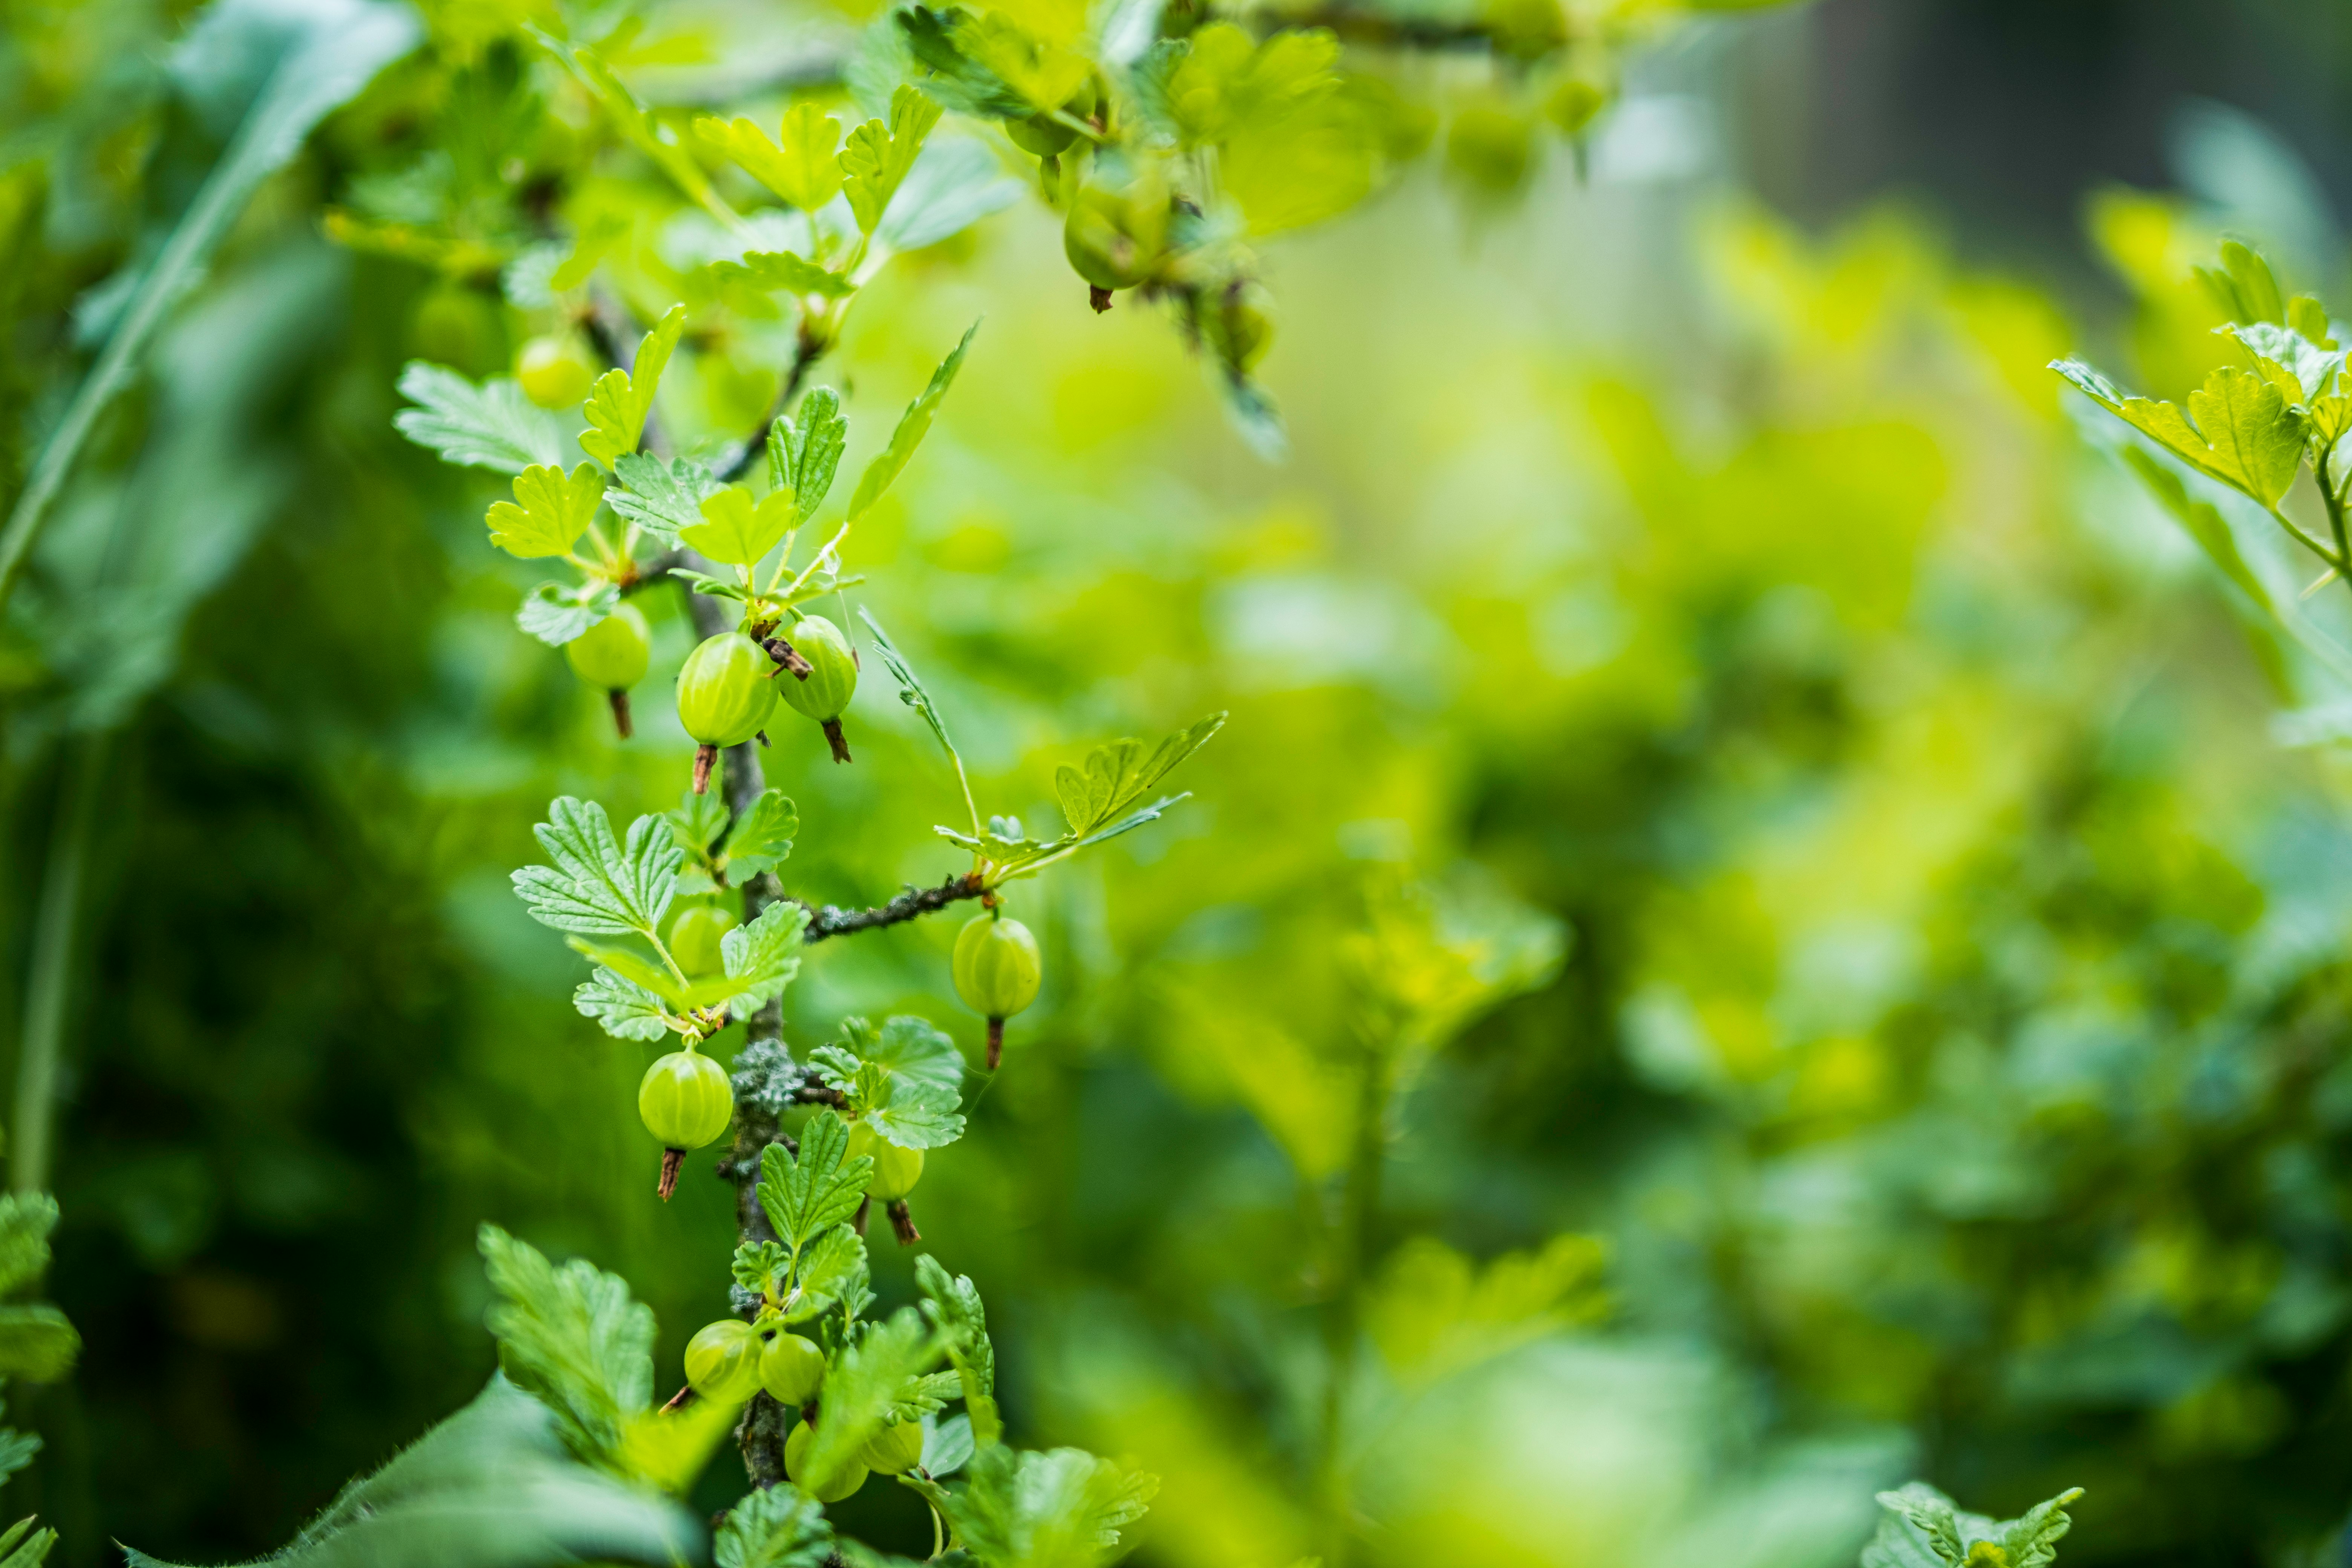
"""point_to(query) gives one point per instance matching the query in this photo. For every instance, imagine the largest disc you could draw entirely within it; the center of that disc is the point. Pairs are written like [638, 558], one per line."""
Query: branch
[912, 904]
[806, 351]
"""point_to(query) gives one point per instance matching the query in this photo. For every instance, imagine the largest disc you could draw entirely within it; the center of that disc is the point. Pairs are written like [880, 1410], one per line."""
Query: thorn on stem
[1098, 297]
[995, 1043]
[839, 742]
[902, 1223]
[671, 1160]
[620, 701]
[704, 757]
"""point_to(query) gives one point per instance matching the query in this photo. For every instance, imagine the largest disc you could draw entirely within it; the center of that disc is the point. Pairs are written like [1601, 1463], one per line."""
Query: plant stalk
[48, 986]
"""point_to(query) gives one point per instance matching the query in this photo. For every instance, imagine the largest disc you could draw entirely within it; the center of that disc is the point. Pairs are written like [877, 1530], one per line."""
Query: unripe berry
[1115, 238]
[823, 693]
[895, 1170]
[724, 697]
[458, 326]
[996, 972]
[685, 1102]
[791, 1369]
[695, 937]
[894, 1450]
[554, 372]
[1044, 135]
[848, 1481]
[722, 1360]
[610, 656]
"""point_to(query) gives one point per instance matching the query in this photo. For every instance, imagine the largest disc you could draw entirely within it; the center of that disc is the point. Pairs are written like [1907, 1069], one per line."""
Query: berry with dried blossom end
[996, 972]
[722, 1360]
[823, 693]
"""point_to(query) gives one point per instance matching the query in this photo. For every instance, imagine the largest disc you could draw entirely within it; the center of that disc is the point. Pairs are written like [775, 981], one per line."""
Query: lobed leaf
[1114, 776]
[25, 1221]
[621, 398]
[879, 156]
[763, 956]
[952, 1304]
[775, 1527]
[864, 1382]
[912, 426]
[660, 498]
[572, 1336]
[736, 530]
[554, 509]
[804, 170]
[834, 1266]
[598, 886]
[816, 1189]
[784, 271]
[1061, 1509]
[763, 836]
[555, 613]
[2246, 432]
[492, 425]
[620, 1007]
[804, 449]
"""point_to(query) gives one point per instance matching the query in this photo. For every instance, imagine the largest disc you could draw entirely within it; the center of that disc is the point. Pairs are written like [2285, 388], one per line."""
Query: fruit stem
[681, 1399]
[902, 1223]
[1098, 297]
[671, 1160]
[839, 742]
[704, 755]
[620, 701]
[995, 1043]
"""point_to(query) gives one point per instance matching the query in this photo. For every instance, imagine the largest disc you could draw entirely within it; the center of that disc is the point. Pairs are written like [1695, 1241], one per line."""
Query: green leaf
[759, 1266]
[555, 613]
[879, 156]
[2244, 286]
[660, 498]
[805, 171]
[958, 81]
[864, 1382]
[737, 532]
[763, 836]
[2311, 369]
[1061, 1509]
[834, 1266]
[697, 822]
[952, 1304]
[912, 426]
[2245, 433]
[818, 1188]
[804, 450]
[910, 687]
[36, 1344]
[762, 957]
[492, 425]
[25, 1221]
[1116, 775]
[621, 398]
[947, 1446]
[911, 1115]
[908, 1048]
[784, 271]
[952, 185]
[598, 886]
[637, 970]
[492, 1486]
[775, 1527]
[555, 511]
[652, 137]
[573, 1337]
[1926, 1531]
[620, 1007]
[22, 1546]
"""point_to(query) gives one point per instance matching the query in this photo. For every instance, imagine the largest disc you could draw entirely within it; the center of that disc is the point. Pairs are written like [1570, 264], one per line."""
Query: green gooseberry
[722, 1360]
[554, 370]
[695, 937]
[847, 1480]
[684, 1102]
[823, 693]
[996, 972]
[895, 1170]
[791, 1369]
[894, 1450]
[612, 656]
[1044, 135]
[724, 697]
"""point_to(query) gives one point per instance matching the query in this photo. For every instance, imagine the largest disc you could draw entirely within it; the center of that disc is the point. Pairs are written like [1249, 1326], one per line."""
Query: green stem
[1350, 1252]
[47, 987]
[2335, 504]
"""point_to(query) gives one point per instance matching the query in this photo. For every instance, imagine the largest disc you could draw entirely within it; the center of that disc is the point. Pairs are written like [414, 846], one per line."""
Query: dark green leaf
[25, 1221]
[775, 1527]
[952, 1304]
[36, 1344]
[816, 1189]
[763, 836]
[573, 1337]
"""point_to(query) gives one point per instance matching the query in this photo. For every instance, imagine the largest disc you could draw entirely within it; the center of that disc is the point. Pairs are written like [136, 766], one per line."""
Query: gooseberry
[894, 1450]
[847, 1480]
[695, 937]
[610, 656]
[823, 692]
[791, 1369]
[684, 1102]
[996, 972]
[722, 1360]
[554, 371]
[724, 697]
[895, 1170]
[1115, 236]
[1044, 135]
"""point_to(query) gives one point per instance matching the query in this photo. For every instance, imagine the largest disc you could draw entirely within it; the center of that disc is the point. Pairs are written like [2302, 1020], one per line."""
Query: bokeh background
[1905, 1031]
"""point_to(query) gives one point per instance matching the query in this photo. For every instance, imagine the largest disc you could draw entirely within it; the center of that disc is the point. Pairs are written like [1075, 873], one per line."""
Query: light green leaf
[763, 836]
[2244, 286]
[863, 1384]
[697, 822]
[816, 1189]
[632, 967]
[651, 137]
[947, 1446]
[879, 156]
[1061, 1509]
[1926, 1531]
[952, 185]
[492, 425]
[22, 1546]
[911, 1115]
[2244, 434]
[836, 1263]
[775, 1527]
[36, 1344]
[598, 886]
[760, 1267]
[804, 449]
[555, 613]
[25, 1221]
[952, 1304]
[621, 398]
[2204, 523]
[786, 272]
[763, 956]
[660, 498]
[492, 1487]
[909, 1049]
[621, 1008]
[911, 690]
[913, 426]
[735, 530]
[2311, 368]
[1116, 775]
[573, 1337]
[805, 171]
[555, 511]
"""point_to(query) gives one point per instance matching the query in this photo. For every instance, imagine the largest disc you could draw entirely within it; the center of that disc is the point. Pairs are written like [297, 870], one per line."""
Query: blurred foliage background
[1860, 967]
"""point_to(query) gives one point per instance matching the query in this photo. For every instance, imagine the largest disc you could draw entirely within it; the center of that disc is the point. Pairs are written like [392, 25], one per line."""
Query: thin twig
[829, 921]
[806, 351]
